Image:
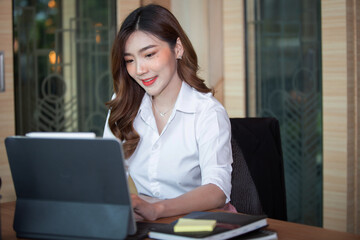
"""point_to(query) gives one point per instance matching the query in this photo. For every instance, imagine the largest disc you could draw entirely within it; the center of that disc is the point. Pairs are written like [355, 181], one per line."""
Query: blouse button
[156, 146]
[157, 194]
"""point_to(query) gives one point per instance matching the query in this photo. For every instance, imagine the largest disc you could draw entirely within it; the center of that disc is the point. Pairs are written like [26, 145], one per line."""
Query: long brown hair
[161, 23]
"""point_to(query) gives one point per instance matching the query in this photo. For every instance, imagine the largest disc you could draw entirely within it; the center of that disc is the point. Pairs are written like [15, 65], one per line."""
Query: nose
[141, 68]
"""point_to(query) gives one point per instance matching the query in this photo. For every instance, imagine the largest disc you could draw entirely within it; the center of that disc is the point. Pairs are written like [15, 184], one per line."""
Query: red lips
[149, 81]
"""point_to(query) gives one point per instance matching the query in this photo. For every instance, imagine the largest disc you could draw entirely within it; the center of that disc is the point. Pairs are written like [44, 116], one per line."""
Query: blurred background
[295, 60]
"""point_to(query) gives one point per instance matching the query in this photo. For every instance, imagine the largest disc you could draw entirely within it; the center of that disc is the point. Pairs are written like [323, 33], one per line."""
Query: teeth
[149, 79]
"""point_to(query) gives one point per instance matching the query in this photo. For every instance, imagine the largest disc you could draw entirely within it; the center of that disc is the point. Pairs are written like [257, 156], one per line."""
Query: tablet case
[70, 188]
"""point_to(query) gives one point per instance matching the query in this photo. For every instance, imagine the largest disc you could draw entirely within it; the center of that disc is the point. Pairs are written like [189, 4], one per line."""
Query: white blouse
[193, 149]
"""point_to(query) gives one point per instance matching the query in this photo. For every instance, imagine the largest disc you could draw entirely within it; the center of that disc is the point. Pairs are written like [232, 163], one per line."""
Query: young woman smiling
[175, 134]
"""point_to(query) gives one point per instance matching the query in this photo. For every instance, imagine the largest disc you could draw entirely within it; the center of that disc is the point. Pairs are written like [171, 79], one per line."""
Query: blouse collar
[185, 102]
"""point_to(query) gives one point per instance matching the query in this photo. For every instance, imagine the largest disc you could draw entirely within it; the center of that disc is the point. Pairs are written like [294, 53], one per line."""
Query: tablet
[70, 188]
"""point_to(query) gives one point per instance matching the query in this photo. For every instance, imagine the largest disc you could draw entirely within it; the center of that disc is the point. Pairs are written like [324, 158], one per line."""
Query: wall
[7, 115]
[340, 48]
[202, 21]
[234, 58]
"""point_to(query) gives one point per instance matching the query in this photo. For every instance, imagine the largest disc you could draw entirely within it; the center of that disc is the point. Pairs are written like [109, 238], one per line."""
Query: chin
[151, 92]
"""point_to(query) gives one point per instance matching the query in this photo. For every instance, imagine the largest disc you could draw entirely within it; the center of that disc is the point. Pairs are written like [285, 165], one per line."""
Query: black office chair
[258, 170]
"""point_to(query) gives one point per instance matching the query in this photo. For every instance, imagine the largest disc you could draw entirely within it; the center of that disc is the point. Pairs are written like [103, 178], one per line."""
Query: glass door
[284, 81]
[62, 64]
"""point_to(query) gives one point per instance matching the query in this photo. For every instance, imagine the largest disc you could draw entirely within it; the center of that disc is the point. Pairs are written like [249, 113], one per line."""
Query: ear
[179, 49]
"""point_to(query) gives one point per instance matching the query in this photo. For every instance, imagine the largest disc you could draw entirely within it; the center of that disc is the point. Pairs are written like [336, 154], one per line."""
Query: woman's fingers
[138, 217]
[143, 210]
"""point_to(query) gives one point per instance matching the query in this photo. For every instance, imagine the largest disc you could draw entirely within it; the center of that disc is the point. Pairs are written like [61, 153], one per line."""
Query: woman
[176, 136]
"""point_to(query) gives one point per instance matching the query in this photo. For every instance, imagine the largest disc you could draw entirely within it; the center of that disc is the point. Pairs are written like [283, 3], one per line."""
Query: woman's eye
[149, 55]
[128, 61]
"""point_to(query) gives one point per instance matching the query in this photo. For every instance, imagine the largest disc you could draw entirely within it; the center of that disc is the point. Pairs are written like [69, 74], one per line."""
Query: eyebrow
[142, 49]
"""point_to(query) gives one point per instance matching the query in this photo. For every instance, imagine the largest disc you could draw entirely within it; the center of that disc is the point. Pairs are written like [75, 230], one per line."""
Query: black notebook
[228, 225]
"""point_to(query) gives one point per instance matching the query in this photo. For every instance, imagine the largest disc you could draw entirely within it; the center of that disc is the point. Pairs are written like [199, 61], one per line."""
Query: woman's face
[151, 63]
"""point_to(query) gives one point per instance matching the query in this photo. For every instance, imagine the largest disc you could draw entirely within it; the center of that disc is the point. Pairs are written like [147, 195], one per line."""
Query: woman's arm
[202, 198]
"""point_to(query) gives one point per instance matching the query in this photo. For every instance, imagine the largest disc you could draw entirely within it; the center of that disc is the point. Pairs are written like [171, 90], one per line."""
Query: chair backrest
[258, 170]
[244, 195]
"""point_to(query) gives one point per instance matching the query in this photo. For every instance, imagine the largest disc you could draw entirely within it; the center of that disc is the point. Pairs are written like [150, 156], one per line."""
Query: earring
[179, 58]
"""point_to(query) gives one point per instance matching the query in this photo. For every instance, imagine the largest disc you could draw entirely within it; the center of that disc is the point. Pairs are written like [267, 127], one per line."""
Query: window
[284, 81]
[62, 64]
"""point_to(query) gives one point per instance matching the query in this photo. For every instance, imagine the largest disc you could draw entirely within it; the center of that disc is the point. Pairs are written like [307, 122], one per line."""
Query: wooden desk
[285, 230]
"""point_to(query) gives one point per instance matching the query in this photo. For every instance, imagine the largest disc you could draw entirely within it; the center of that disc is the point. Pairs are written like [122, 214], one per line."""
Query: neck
[166, 100]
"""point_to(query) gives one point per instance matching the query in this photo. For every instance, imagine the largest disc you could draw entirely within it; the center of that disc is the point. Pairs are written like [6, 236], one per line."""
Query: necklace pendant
[162, 114]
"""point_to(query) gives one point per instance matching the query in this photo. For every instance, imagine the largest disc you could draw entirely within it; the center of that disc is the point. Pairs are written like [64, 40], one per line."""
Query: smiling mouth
[149, 81]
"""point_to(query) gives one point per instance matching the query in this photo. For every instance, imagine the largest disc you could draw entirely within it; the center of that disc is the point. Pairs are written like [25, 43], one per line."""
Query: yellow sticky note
[194, 225]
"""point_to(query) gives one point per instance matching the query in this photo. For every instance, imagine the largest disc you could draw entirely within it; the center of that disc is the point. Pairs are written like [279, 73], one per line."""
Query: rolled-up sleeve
[214, 143]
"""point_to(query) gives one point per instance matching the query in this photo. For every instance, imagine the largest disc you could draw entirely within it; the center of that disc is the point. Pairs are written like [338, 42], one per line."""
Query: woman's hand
[144, 210]
[202, 198]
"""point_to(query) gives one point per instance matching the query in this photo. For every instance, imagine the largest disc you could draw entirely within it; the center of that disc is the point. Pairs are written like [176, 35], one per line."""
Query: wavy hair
[161, 23]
